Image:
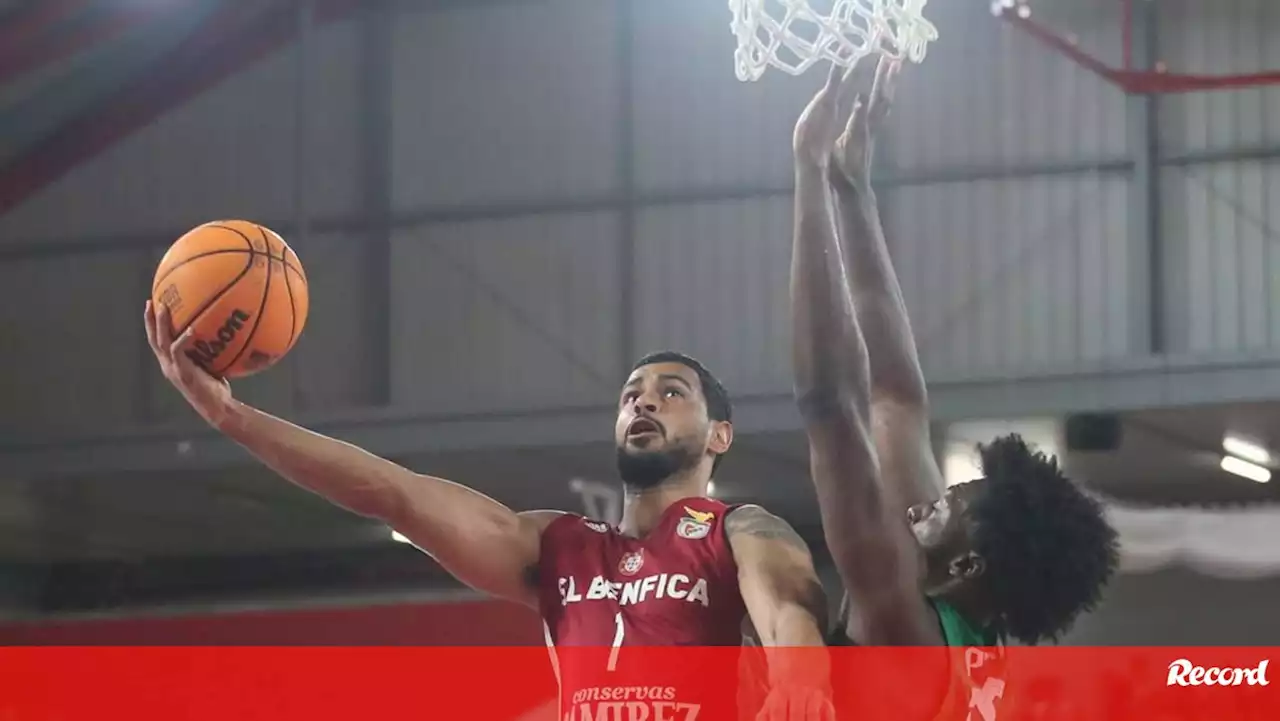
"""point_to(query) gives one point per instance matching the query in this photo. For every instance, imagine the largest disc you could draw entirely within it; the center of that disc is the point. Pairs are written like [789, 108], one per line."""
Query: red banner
[634, 683]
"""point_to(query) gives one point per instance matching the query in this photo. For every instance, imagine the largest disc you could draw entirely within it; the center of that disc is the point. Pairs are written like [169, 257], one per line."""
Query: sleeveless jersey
[602, 593]
[975, 687]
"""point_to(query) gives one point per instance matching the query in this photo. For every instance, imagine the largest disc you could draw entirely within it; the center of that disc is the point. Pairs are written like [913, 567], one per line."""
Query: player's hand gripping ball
[241, 292]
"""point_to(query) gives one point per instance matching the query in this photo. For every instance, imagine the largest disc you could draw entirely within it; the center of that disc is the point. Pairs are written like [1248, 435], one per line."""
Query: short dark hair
[719, 407]
[1048, 548]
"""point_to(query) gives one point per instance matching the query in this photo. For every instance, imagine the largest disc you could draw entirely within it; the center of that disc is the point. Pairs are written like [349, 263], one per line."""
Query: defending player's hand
[870, 97]
[796, 702]
[211, 397]
[819, 124]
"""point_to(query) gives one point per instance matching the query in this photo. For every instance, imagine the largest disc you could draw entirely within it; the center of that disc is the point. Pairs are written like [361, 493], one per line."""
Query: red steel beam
[1172, 83]
[30, 24]
[1063, 46]
[224, 45]
[1136, 82]
[26, 57]
[1126, 33]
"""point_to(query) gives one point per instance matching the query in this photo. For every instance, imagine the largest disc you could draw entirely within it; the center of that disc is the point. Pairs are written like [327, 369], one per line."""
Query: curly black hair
[1048, 548]
[719, 407]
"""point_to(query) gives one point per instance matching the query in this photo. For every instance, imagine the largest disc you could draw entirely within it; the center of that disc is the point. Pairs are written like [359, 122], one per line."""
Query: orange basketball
[241, 289]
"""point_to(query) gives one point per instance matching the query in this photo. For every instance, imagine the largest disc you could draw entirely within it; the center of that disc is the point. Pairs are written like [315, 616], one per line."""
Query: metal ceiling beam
[1114, 385]
[233, 38]
[624, 45]
[377, 25]
[183, 74]
[29, 56]
[1146, 239]
[28, 25]
[159, 238]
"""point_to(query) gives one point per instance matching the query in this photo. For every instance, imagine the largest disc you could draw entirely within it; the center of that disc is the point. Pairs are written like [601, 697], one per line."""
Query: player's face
[942, 529]
[662, 423]
[935, 524]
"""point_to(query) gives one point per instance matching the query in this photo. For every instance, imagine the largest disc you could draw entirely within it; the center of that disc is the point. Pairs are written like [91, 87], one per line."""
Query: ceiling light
[1247, 450]
[1245, 469]
[960, 464]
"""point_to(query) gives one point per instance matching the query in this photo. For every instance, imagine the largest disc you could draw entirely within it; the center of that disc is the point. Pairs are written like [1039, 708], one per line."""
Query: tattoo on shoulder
[757, 522]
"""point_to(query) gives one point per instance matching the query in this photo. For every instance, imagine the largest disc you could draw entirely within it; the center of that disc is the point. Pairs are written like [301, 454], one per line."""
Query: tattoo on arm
[757, 522]
[798, 582]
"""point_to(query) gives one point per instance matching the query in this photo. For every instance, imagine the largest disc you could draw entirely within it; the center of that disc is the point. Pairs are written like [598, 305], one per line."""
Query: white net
[793, 35]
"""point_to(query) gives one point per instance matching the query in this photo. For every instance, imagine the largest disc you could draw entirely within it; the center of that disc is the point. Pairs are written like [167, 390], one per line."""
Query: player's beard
[642, 470]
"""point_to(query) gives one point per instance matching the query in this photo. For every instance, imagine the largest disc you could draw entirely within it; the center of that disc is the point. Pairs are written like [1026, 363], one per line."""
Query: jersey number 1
[619, 633]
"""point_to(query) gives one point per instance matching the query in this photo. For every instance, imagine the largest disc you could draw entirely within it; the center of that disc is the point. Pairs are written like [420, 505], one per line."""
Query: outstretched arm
[786, 605]
[478, 540]
[481, 542]
[899, 407]
[871, 545]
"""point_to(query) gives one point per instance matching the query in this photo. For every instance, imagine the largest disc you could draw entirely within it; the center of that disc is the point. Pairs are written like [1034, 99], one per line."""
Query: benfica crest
[695, 524]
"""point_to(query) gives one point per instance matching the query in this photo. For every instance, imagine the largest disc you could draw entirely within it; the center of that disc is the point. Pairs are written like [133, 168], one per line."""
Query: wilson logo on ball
[206, 352]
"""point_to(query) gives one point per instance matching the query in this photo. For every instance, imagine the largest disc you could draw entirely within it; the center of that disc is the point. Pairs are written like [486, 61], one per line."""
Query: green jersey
[977, 688]
[956, 629]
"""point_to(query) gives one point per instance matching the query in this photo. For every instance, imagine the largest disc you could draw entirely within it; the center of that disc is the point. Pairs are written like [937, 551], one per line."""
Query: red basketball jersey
[677, 586]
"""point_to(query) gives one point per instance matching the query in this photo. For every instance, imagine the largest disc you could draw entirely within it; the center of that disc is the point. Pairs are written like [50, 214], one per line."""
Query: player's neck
[643, 508]
[969, 603]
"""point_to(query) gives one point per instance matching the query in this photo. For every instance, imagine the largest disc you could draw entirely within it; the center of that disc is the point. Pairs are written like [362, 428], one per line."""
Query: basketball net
[793, 36]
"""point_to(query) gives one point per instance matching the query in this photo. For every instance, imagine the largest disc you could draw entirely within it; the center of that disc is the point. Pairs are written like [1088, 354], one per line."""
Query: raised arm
[899, 407]
[870, 544]
[786, 604]
[481, 542]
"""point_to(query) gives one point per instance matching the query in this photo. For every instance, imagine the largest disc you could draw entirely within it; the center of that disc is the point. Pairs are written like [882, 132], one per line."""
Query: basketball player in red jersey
[1020, 552]
[680, 569]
